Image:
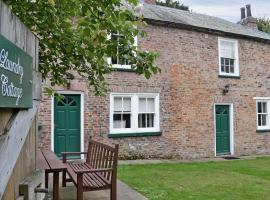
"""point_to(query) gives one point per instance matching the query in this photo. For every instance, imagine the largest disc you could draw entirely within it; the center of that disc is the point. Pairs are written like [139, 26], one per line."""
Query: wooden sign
[15, 76]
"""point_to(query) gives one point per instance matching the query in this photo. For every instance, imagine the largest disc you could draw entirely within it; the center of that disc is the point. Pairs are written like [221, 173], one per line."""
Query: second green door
[67, 124]
[222, 129]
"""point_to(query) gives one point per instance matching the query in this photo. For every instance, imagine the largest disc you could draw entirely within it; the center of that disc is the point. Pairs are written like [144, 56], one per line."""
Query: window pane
[227, 49]
[151, 105]
[222, 68]
[114, 38]
[114, 60]
[117, 121]
[118, 104]
[222, 64]
[142, 105]
[227, 61]
[142, 121]
[264, 107]
[259, 119]
[264, 117]
[126, 104]
[231, 69]
[126, 121]
[150, 120]
[121, 121]
[259, 107]
[227, 69]
[121, 52]
[231, 62]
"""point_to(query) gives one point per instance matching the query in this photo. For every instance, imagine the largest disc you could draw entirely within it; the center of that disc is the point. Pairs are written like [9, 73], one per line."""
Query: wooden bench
[98, 172]
[49, 162]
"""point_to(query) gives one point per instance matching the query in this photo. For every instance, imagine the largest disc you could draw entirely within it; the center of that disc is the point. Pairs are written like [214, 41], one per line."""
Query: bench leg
[46, 179]
[113, 192]
[79, 187]
[64, 177]
[56, 186]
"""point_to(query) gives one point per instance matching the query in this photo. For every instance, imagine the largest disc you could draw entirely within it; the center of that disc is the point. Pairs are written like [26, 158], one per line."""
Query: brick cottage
[212, 97]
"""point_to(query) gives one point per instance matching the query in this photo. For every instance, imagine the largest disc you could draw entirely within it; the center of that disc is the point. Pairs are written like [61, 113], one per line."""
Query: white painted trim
[231, 126]
[261, 98]
[134, 107]
[236, 49]
[267, 101]
[82, 118]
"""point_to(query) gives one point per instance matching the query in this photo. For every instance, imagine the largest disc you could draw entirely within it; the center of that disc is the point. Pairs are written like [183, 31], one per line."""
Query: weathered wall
[18, 139]
[189, 86]
[25, 164]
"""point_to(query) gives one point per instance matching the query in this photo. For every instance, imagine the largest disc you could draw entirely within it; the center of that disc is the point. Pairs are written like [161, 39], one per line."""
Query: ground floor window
[263, 110]
[134, 112]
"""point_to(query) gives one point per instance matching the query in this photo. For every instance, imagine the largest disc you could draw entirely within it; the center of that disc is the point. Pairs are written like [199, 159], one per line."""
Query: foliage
[73, 37]
[173, 4]
[226, 180]
[264, 24]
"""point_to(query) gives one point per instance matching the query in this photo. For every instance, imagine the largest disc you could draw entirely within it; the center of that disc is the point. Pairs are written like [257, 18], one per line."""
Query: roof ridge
[168, 14]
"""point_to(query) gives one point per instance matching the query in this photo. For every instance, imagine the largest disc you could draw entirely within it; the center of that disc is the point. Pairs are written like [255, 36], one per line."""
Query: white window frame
[119, 66]
[267, 101]
[134, 113]
[236, 56]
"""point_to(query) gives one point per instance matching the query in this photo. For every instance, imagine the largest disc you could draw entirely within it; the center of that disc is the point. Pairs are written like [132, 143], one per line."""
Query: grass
[228, 180]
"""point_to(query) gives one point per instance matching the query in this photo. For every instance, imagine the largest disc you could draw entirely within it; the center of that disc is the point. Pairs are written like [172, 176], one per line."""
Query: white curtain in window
[227, 49]
[126, 104]
[151, 105]
[117, 104]
[142, 105]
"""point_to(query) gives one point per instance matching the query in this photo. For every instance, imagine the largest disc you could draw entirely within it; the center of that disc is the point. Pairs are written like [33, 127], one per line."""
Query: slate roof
[171, 15]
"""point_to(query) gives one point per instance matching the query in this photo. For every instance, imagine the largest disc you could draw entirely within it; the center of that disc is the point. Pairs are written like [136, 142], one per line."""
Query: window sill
[263, 130]
[228, 76]
[142, 134]
[122, 70]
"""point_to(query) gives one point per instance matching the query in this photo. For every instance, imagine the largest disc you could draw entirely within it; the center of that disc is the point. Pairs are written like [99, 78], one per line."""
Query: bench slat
[52, 160]
[90, 180]
[41, 162]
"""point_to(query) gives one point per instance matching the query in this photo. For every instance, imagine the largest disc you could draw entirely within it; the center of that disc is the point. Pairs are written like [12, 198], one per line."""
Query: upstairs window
[119, 61]
[263, 115]
[228, 57]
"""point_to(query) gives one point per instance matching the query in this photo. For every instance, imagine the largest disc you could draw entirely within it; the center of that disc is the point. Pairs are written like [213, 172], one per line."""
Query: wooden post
[64, 176]
[56, 185]
[114, 174]
[79, 186]
[46, 179]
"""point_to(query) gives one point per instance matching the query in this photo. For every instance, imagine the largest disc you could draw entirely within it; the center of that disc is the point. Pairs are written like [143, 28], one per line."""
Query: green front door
[222, 129]
[67, 124]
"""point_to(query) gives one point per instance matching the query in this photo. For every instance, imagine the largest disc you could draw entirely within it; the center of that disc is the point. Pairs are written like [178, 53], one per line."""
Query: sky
[228, 9]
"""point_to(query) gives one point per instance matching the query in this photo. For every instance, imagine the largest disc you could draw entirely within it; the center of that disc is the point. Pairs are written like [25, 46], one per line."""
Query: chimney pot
[247, 19]
[248, 10]
[243, 13]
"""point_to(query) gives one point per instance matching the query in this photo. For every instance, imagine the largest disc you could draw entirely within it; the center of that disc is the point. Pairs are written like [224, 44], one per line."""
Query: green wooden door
[222, 129]
[67, 124]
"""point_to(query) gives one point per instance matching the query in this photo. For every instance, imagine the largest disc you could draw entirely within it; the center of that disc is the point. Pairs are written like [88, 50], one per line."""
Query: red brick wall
[189, 86]
[150, 1]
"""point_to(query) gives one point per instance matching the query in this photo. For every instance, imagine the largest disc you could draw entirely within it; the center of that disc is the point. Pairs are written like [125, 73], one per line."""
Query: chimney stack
[243, 13]
[247, 19]
[150, 1]
[248, 10]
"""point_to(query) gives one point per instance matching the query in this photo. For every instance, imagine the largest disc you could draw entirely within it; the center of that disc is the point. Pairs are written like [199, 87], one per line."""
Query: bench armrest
[92, 170]
[64, 154]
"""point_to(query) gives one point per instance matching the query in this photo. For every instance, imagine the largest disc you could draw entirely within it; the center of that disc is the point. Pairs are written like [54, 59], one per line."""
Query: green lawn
[228, 180]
